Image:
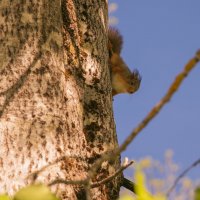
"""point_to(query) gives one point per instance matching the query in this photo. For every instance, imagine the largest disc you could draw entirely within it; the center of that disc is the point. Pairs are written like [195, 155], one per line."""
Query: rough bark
[55, 94]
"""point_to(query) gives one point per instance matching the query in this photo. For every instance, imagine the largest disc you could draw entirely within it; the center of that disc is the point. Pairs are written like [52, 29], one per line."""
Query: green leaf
[35, 192]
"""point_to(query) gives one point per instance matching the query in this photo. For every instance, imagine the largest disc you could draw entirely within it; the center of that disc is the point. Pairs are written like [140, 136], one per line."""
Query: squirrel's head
[125, 82]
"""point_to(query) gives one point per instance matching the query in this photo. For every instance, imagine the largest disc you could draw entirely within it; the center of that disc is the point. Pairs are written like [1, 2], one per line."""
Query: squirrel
[123, 80]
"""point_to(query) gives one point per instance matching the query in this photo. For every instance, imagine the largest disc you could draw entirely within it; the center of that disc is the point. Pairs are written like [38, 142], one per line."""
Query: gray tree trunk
[55, 95]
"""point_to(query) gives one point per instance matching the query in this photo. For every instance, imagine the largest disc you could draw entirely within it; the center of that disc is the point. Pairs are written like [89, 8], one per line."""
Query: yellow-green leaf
[197, 194]
[35, 192]
[126, 197]
[4, 197]
[141, 191]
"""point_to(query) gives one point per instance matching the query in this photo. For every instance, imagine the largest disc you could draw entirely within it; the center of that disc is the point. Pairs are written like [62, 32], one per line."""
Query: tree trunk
[55, 95]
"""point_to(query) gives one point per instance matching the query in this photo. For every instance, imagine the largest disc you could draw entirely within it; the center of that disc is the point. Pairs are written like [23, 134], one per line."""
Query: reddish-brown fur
[123, 80]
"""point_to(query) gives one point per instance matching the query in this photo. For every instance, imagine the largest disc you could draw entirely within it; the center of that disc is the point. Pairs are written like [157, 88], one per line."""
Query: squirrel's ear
[136, 74]
[136, 79]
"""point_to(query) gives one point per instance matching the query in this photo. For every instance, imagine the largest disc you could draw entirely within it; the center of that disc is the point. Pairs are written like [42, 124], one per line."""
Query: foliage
[159, 177]
[197, 194]
[151, 174]
[32, 192]
[4, 197]
[141, 191]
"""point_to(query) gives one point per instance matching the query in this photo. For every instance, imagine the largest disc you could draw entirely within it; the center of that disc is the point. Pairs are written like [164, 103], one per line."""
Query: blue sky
[159, 38]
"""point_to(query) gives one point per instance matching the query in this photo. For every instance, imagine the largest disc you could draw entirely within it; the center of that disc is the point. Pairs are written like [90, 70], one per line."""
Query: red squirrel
[123, 80]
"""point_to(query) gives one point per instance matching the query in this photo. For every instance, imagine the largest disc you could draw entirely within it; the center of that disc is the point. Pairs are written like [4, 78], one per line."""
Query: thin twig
[182, 175]
[112, 155]
[35, 174]
[155, 110]
[119, 171]
[68, 182]
[94, 184]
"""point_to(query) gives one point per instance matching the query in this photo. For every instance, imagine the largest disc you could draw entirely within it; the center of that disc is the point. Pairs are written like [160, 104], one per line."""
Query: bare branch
[86, 183]
[119, 171]
[35, 174]
[155, 110]
[182, 175]
[94, 184]
[129, 185]
[68, 182]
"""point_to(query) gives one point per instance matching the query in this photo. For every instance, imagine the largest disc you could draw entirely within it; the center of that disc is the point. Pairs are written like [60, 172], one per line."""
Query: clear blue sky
[159, 38]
